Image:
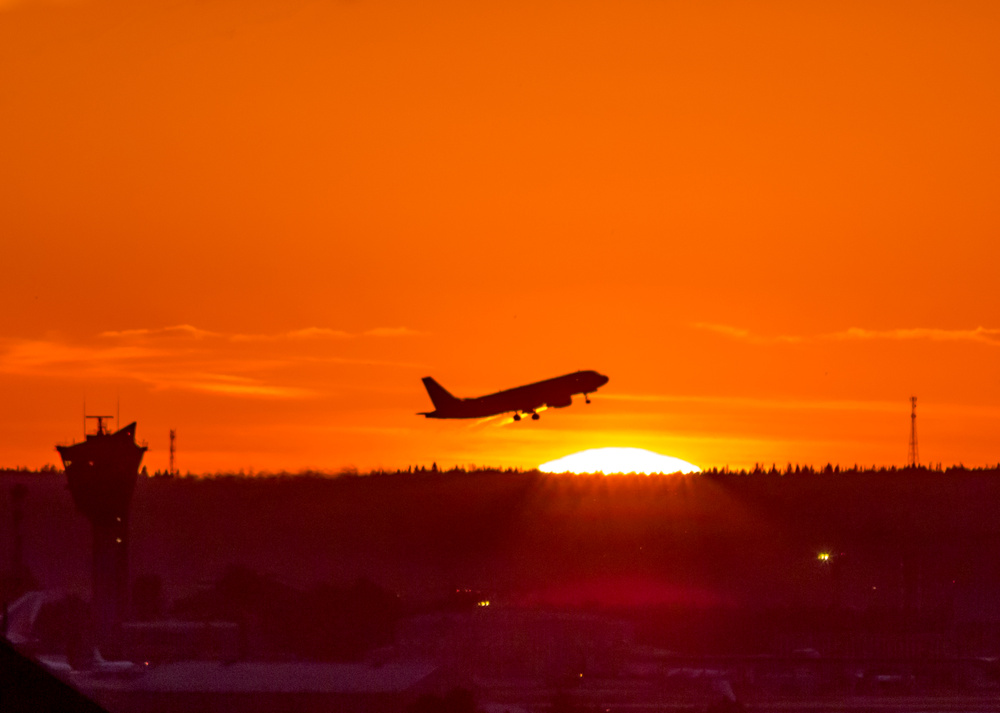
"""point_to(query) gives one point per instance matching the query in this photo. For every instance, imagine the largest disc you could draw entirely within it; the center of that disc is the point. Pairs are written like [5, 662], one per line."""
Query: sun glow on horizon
[618, 460]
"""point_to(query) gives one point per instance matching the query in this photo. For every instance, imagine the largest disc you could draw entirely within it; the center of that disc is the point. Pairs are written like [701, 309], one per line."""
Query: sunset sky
[261, 222]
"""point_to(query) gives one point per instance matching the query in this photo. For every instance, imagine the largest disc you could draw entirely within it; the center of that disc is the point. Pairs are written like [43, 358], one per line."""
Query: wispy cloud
[982, 335]
[192, 359]
[159, 368]
[185, 330]
[745, 335]
[233, 386]
[188, 331]
[33, 355]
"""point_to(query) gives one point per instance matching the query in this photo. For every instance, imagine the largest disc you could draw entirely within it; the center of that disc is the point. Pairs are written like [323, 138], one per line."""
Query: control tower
[101, 473]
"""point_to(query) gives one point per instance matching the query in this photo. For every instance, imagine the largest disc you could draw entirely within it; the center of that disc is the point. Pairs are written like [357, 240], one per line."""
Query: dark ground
[693, 558]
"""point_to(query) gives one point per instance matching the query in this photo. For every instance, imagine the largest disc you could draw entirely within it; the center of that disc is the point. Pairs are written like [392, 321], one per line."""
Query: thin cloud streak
[745, 335]
[219, 384]
[229, 389]
[211, 367]
[34, 356]
[178, 329]
[158, 369]
[192, 332]
[981, 335]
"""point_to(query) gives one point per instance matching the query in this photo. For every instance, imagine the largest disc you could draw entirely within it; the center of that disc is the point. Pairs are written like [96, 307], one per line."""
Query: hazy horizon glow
[618, 460]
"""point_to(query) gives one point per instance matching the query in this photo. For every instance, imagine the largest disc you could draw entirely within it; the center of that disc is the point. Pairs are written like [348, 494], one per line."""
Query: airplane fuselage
[551, 393]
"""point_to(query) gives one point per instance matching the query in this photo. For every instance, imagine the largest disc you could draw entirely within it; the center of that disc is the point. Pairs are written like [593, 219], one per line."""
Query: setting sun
[618, 460]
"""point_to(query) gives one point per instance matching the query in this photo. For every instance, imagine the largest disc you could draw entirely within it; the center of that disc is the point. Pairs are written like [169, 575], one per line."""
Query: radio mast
[173, 434]
[914, 458]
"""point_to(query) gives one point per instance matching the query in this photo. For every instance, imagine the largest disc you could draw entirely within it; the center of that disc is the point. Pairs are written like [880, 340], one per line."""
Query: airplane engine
[560, 404]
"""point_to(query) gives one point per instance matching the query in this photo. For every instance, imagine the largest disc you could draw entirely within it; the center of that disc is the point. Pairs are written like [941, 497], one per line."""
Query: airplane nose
[604, 379]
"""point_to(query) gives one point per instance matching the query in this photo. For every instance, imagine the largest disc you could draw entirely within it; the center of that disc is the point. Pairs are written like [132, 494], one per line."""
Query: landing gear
[534, 417]
[517, 417]
[586, 397]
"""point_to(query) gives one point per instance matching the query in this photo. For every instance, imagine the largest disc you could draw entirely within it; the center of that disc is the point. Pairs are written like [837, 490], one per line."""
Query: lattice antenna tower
[173, 435]
[914, 458]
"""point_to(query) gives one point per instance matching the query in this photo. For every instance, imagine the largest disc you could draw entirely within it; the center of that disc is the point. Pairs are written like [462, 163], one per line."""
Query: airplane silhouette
[552, 393]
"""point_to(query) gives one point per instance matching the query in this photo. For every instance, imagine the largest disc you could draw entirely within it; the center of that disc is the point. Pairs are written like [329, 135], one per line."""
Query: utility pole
[914, 458]
[173, 435]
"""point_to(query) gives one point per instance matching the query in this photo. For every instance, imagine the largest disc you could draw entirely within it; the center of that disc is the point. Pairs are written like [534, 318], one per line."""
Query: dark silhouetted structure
[101, 473]
[551, 393]
[27, 686]
[18, 579]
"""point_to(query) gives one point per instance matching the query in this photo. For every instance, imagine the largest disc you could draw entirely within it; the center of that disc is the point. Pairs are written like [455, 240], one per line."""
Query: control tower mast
[101, 473]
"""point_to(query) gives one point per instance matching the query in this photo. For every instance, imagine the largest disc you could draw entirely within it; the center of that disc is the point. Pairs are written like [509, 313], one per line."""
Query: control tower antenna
[913, 461]
[173, 434]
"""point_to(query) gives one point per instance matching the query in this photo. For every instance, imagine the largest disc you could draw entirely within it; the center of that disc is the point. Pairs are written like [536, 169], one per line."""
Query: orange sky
[260, 222]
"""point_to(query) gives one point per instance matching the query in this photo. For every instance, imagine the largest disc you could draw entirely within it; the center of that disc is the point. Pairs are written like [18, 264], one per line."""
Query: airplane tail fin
[440, 397]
